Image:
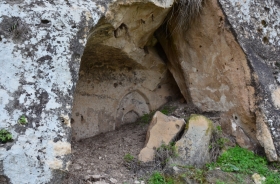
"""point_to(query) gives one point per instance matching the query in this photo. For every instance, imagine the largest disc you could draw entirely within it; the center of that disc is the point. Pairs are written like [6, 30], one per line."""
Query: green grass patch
[243, 161]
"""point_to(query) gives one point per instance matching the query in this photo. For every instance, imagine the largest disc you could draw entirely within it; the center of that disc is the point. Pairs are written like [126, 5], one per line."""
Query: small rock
[100, 182]
[176, 170]
[96, 177]
[137, 182]
[77, 166]
[258, 179]
[113, 180]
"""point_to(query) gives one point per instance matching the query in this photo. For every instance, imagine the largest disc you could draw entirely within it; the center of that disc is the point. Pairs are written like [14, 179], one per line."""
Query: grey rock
[193, 147]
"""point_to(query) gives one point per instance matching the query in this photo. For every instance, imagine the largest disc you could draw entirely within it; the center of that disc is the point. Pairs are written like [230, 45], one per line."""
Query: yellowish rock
[162, 130]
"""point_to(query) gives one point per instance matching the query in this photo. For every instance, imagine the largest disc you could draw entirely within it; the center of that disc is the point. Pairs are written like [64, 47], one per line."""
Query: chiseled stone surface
[41, 44]
[193, 147]
[255, 24]
[162, 130]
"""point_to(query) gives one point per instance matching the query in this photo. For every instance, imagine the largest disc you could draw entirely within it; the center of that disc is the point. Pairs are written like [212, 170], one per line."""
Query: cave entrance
[118, 82]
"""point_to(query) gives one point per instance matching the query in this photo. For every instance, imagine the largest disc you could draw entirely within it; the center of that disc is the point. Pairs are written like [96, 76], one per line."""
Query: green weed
[146, 118]
[22, 120]
[5, 136]
[128, 157]
[158, 178]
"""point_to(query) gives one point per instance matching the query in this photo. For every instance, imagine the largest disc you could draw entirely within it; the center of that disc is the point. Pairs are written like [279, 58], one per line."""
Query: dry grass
[184, 13]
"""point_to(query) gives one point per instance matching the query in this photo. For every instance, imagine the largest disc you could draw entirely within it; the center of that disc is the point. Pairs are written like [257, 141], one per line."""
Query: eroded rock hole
[265, 40]
[45, 21]
[264, 23]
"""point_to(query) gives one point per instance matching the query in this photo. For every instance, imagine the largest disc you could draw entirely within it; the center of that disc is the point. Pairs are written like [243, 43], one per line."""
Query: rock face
[216, 74]
[226, 62]
[193, 147]
[212, 71]
[41, 48]
[162, 130]
[256, 26]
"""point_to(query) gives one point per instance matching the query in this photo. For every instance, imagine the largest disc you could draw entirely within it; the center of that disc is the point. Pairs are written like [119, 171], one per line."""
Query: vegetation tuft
[217, 143]
[146, 118]
[128, 157]
[22, 120]
[5, 136]
[167, 110]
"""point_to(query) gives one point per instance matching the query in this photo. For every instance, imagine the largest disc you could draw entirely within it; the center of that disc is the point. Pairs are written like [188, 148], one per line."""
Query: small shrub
[217, 143]
[5, 136]
[128, 157]
[164, 153]
[194, 173]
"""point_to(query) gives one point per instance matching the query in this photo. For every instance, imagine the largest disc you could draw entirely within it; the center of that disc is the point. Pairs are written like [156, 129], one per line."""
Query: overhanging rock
[41, 47]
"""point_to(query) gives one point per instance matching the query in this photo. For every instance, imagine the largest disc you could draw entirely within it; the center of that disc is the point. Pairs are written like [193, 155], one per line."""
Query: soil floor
[101, 158]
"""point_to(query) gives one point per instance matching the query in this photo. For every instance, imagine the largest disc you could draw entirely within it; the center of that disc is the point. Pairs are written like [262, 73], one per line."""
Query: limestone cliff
[105, 57]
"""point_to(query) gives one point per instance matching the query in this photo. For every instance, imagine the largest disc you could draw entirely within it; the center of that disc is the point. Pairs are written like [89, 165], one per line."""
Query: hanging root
[185, 12]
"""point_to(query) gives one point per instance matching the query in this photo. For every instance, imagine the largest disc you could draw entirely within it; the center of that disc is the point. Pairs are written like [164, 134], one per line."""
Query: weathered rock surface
[122, 75]
[162, 130]
[256, 26]
[211, 69]
[41, 45]
[193, 147]
[217, 74]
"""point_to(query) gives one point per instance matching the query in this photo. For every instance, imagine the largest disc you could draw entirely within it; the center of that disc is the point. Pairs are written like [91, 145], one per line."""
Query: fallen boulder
[162, 130]
[194, 145]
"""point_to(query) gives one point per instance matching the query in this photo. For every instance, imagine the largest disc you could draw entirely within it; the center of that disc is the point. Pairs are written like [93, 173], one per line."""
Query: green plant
[128, 157]
[22, 120]
[158, 178]
[5, 136]
[146, 118]
[243, 161]
[167, 110]
[194, 173]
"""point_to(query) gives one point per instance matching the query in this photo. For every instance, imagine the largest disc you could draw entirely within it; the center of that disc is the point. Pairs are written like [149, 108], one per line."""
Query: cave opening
[118, 82]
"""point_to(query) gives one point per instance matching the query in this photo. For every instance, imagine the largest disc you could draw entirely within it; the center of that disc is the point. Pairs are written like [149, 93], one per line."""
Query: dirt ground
[101, 158]
[104, 154]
